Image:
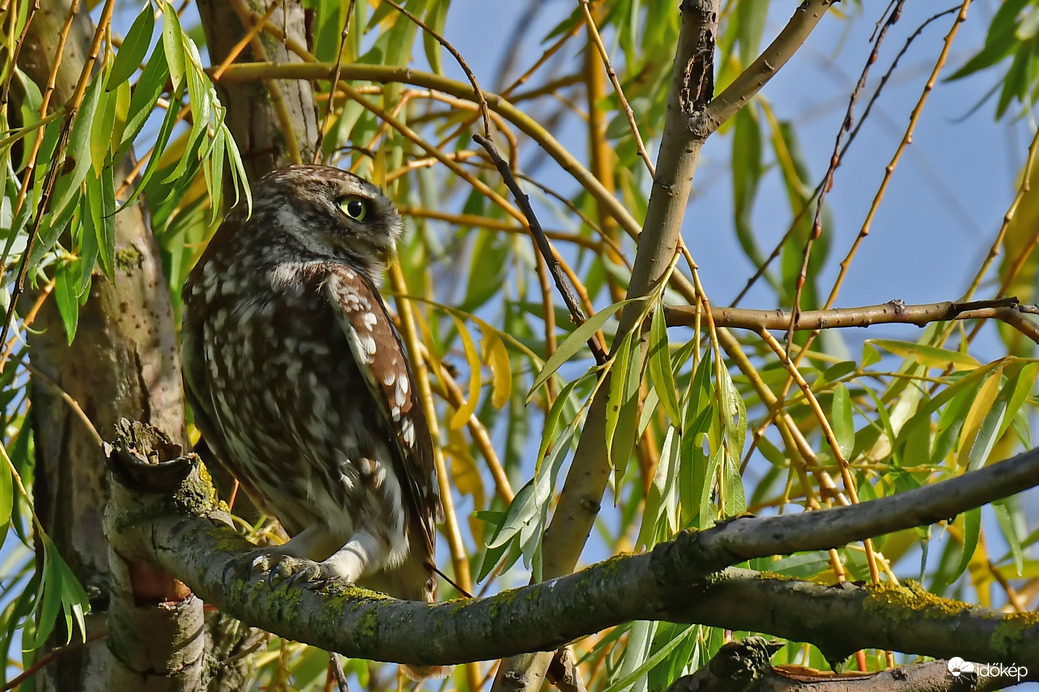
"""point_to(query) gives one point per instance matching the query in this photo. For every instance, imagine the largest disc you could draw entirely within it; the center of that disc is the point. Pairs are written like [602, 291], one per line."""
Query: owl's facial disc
[369, 225]
[334, 213]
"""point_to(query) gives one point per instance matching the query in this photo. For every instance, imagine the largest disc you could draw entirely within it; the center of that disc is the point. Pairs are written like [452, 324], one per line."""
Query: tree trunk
[274, 122]
[123, 363]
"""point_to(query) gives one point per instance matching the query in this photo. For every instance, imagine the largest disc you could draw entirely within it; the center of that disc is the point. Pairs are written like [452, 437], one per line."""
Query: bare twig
[544, 247]
[835, 161]
[332, 88]
[337, 670]
[593, 34]
[897, 156]
[53, 655]
[1007, 310]
[777, 249]
[481, 99]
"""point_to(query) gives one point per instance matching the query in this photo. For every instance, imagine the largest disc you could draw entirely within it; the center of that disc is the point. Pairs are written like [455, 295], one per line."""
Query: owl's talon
[260, 563]
[279, 567]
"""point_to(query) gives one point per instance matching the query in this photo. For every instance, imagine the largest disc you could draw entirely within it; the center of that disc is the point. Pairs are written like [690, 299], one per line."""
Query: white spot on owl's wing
[407, 429]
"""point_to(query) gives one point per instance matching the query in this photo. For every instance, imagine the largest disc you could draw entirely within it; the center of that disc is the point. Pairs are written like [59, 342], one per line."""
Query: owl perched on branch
[301, 386]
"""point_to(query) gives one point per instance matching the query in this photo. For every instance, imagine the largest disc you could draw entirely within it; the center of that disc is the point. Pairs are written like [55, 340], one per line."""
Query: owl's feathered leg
[321, 544]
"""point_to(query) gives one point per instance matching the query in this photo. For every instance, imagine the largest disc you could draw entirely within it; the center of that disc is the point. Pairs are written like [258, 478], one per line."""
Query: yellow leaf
[497, 358]
[461, 416]
[987, 394]
[465, 476]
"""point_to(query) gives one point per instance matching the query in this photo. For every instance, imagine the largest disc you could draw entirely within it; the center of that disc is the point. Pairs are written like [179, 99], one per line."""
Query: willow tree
[590, 400]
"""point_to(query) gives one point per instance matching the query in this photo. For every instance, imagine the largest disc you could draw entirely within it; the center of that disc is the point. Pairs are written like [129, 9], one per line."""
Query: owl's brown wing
[383, 362]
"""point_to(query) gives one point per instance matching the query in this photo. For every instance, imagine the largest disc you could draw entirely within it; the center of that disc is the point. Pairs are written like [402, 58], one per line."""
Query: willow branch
[742, 664]
[177, 525]
[1009, 310]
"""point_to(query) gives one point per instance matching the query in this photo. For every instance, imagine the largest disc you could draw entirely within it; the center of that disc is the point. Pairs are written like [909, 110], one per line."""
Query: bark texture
[122, 363]
[274, 121]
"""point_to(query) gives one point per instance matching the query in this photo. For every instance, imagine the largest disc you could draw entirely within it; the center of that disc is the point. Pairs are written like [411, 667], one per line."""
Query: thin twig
[52, 173]
[835, 160]
[829, 435]
[252, 33]
[332, 86]
[41, 377]
[50, 658]
[777, 249]
[337, 670]
[897, 156]
[544, 247]
[484, 108]
[593, 34]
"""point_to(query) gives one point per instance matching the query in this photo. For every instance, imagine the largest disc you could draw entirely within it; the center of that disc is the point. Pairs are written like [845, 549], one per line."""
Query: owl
[300, 384]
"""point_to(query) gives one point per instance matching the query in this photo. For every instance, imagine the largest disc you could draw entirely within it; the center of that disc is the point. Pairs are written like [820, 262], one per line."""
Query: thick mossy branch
[685, 580]
[742, 666]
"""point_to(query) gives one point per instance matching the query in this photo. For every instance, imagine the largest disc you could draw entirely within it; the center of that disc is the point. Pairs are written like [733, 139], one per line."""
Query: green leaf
[213, 170]
[1003, 509]
[555, 415]
[1000, 41]
[928, 356]
[1019, 385]
[201, 100]
[145, 95]
[492, 556]
[662, 377]
[976, 437]
[971, 533]
[173, 45]
[58, 590]
[135, 47]
[88, 250]
[435, 19]
[66, 293]
[618, 378]
[102, 212]
[575, 342]
[752, 15]
[68, 187]
[6, 499]
[622, 441]
[101, 133]
[544, 489]
[660, 518]
[521, 512]
[1018, 80]
[838, 371]
[734, 498]
[842, 421]
[631, 670]
[747, 170]
[161, 140]
[656, 658]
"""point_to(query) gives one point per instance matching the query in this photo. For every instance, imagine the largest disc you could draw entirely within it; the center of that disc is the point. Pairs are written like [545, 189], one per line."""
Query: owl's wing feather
[383, 362]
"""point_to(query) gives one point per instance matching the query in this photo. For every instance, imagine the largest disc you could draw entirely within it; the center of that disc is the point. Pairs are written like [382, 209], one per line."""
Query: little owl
[300, 384]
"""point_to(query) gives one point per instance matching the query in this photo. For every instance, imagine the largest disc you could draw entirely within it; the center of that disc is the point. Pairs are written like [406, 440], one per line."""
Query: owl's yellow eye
[354, 207]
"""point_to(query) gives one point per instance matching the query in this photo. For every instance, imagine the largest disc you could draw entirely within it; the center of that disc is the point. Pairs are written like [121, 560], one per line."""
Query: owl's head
[330, 213]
